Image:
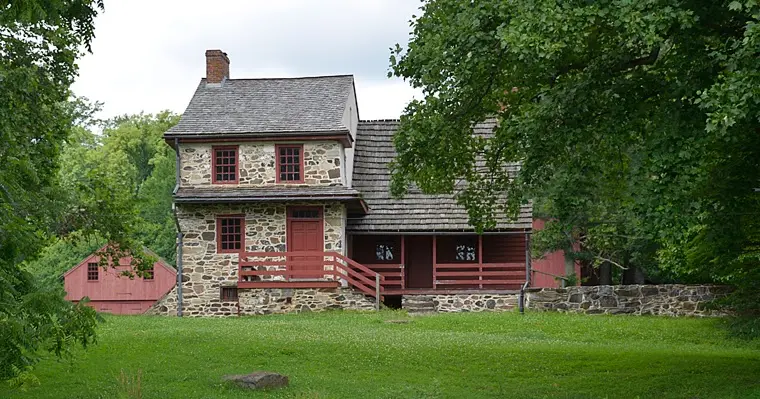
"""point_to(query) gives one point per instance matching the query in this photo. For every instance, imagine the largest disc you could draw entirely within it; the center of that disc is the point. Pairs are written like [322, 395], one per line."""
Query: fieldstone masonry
[205, 270]
[466, 302]
[260, 301]
[658, 300]
[322, 165]
[663, 300]
[270, 300]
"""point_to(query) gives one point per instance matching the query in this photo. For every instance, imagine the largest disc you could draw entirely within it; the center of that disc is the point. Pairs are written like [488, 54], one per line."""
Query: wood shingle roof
[415, 212]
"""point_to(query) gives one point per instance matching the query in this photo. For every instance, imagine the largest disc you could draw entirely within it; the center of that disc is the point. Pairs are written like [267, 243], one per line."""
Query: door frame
[290, 218]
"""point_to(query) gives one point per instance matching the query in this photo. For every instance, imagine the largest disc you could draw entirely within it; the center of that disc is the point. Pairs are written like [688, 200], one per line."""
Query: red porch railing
[306, 269]
[393, 274]
[480, 275]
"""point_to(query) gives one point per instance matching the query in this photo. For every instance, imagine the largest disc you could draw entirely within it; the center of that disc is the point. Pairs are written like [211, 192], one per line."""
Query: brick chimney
[217, 66]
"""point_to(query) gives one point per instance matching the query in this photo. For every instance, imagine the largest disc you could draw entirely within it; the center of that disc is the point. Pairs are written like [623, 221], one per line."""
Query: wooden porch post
[403, 264]
[435, 261]
[480, 260]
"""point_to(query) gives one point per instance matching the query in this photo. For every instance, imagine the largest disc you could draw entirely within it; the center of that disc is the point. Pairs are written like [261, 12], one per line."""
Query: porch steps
[418, 304]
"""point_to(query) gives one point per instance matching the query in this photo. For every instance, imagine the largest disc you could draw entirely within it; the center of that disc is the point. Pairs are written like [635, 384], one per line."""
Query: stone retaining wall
[465, 302]
[664, 300]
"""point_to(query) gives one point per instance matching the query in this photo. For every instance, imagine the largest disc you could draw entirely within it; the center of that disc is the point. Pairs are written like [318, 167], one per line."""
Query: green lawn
[352, 355]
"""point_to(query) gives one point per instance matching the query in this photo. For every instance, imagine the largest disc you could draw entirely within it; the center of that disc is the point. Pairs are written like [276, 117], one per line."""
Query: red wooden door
[419, 261]
[306, 233]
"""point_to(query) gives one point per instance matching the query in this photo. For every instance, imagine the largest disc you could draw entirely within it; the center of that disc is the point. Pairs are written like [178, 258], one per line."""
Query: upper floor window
[92, 272]
[224, 166]
[289, 163]
[230, 233]
[149, 274]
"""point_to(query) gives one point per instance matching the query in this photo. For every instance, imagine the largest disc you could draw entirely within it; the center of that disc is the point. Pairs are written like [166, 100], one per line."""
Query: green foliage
[352, 355]
[117, 187]
[39, 43]
[636, 124]
[60, 256]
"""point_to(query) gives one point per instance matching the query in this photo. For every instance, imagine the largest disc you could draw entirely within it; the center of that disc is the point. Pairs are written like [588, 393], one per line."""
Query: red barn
[110, 292]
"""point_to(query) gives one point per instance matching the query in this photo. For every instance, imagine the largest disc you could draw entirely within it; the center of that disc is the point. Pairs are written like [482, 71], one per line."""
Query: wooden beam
[403, 264]
[480, 259]
[435, 255]
[288, 284]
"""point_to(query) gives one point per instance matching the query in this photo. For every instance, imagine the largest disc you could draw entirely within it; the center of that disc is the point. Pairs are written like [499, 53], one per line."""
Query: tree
[636, 124]
[118, 188]
[39, 42]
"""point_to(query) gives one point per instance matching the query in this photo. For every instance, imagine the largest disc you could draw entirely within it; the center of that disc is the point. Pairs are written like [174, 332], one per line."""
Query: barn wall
[550, 264]
[111, 286]
[121, 307]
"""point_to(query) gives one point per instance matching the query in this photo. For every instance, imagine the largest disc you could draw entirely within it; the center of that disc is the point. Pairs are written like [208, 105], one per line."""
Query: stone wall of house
[271, 300]
[665, 300]
[260, 301]
[205, 270]
[322, 164]
[465, 302]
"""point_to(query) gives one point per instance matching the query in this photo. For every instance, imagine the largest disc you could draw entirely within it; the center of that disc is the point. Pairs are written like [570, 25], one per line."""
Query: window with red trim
[224, 164]
[230, 233]
[289, 163]
[92, 272]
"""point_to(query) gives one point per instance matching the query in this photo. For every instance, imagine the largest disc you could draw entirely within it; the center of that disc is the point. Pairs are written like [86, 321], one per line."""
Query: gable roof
[415, 212]
[89, 257]
[266, 107]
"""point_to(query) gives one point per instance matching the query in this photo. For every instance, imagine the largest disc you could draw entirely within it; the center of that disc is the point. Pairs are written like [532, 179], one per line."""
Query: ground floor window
[383, 252]
[229, 294]
[230, 233]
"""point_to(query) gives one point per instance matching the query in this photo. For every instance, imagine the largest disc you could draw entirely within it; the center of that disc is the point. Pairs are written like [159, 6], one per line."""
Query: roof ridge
[294, 77]
[378, 120]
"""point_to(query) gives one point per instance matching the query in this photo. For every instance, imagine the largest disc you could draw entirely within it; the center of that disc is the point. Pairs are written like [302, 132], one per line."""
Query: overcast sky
[148, 55]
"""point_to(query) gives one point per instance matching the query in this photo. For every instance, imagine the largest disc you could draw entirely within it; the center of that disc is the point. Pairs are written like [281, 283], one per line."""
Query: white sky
[149, 55]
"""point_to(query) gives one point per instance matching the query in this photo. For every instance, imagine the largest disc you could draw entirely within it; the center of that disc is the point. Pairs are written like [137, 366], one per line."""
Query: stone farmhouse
[282, 204]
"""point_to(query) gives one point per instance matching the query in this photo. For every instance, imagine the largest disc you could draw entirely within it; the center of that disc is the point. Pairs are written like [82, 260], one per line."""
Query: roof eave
[342, 135]
[357, 202]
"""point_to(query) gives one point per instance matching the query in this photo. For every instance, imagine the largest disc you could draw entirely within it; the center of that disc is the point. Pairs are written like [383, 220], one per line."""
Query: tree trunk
[605, 274]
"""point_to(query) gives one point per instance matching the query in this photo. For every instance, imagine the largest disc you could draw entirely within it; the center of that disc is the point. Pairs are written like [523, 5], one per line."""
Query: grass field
[353, 355]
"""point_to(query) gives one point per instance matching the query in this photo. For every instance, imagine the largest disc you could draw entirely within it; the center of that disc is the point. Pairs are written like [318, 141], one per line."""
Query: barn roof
[416, 211]
[267, 107]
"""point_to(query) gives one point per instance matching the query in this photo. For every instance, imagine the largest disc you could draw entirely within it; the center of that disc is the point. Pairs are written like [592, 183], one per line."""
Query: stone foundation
[662, 300]
[465, 302]
[260, 301]
[280, 300]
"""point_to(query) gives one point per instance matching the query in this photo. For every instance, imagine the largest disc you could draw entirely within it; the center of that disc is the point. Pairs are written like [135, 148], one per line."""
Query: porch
[385, 265]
